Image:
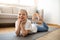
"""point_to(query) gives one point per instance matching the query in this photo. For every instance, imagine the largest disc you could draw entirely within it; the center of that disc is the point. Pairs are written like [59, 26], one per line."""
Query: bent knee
[46, 29]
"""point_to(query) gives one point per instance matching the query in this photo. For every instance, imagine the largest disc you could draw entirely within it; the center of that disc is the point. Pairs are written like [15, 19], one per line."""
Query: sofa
[8, 14]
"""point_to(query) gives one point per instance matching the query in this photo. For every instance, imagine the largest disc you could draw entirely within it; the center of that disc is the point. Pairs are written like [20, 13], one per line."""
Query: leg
[45, 25]
[42, 28]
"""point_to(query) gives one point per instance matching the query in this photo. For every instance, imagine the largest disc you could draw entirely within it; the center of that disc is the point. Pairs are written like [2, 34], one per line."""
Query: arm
[17, 25]
[40, 21]
[24, 32]
[33, 17]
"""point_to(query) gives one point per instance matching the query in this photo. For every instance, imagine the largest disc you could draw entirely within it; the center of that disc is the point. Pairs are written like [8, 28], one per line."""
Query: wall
[59, 11]
[51, 10]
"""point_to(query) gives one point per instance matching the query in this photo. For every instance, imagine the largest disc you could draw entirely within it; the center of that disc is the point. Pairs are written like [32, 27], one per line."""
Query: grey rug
[12, 36]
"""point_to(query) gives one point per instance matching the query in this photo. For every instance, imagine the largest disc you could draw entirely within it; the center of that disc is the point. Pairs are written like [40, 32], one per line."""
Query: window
[27, 2]
[18, 2]
[9, 1]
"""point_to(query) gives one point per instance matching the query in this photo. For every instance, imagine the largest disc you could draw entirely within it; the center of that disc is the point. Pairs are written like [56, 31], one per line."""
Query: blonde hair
[23, 10]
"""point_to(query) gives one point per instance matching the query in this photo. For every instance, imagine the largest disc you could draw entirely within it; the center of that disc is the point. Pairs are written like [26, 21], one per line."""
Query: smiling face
[22, 15]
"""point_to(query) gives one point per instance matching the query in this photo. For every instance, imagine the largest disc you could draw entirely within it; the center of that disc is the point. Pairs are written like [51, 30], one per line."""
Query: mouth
[22, 18]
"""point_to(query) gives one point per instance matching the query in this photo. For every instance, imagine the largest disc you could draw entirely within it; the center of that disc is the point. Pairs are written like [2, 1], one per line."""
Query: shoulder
[28, 25]
[16, 22]
[28, 21]
[35, 14]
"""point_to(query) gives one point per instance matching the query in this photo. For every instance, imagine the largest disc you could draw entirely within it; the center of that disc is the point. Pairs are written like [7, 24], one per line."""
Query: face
[22, 15]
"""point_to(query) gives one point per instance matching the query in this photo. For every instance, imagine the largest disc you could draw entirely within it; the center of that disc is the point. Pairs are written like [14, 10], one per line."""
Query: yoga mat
[12, 35]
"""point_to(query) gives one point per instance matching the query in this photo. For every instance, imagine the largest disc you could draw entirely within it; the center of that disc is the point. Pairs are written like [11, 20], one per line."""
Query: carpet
[12, 36]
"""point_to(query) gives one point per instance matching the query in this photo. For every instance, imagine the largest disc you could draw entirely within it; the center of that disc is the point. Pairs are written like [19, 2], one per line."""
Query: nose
[21, 15]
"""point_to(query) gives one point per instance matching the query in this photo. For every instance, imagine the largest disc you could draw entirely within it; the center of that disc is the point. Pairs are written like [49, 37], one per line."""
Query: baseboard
[13, 25]
[54, 25]
[7, 25]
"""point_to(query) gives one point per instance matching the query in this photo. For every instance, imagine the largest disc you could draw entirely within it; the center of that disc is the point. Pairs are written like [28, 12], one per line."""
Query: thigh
[41, 28]
[45, 25]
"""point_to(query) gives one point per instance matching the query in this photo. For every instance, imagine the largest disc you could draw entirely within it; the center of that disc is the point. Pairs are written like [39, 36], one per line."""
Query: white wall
[59, 11]
[51, 10]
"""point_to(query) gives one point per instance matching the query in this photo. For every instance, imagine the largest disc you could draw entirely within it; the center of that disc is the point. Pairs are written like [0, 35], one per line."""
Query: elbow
[24, 34]
[17, 34]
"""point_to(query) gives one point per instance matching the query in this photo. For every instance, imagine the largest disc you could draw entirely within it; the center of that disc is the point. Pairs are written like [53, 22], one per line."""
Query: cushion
[15, 10]
[0, 11]
[7, 10]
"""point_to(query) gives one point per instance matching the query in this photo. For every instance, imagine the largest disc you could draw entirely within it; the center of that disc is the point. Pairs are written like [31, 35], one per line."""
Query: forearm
[24, 32]
[39, 22]
[18, 30]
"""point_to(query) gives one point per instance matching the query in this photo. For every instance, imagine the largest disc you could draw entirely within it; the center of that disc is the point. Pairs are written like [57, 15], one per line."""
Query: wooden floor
[10, 29]
[55, 35]
[7, 30]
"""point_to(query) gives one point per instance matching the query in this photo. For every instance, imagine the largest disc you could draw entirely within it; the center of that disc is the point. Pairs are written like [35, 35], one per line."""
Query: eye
[19, 14]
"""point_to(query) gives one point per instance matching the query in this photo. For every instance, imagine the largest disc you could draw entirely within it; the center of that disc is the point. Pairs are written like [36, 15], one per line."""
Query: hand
[23, 22]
